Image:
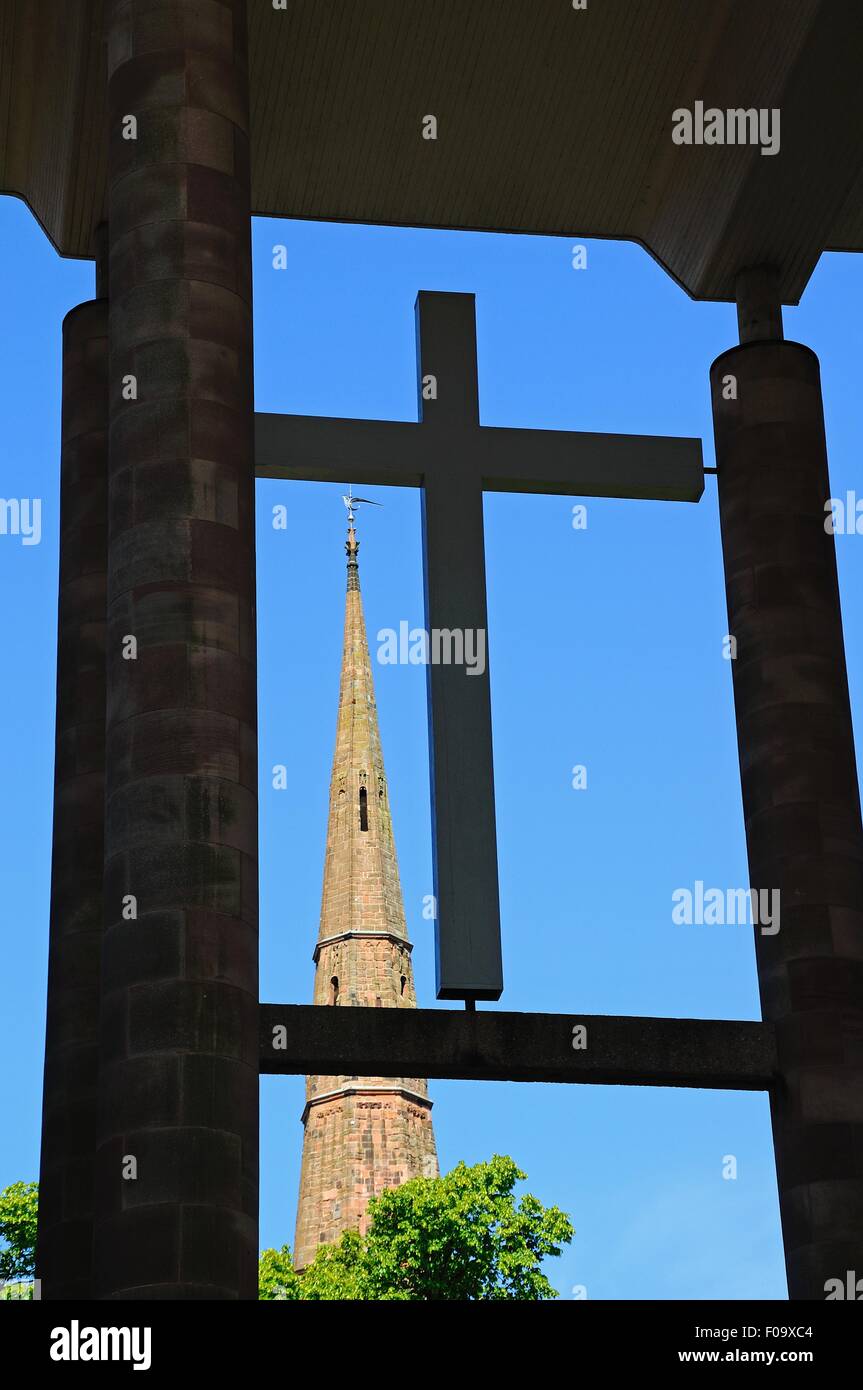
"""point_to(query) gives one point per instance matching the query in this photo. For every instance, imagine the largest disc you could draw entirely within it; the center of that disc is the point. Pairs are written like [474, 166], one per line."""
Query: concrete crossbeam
[491, 1045]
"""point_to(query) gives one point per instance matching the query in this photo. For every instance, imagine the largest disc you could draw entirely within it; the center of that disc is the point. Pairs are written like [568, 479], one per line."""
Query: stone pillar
[800, 794]
[178, 1156]
[69, 1099]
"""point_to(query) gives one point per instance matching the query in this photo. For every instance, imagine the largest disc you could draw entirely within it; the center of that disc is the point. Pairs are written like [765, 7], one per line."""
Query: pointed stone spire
[362, 1134]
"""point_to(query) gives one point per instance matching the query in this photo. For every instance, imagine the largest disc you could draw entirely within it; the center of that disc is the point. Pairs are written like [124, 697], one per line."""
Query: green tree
[277, 1278]
[337, 1271]
[18, 1207]
[464, 1236]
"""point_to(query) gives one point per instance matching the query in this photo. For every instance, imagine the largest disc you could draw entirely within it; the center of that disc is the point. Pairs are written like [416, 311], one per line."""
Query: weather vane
[351, 502]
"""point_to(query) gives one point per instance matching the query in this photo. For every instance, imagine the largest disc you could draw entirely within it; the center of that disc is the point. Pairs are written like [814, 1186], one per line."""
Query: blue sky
[605, 648]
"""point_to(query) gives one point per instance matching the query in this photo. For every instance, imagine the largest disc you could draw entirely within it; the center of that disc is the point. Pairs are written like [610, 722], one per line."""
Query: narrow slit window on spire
[364, 809]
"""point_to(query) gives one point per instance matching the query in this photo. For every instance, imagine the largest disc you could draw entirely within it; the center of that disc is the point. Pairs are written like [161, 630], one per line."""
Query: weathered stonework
[179, 1077]
[362, 1134]
[800, 796]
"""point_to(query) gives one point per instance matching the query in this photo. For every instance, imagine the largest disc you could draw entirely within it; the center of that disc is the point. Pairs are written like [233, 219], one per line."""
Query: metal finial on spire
[352, 545]
[351, 502]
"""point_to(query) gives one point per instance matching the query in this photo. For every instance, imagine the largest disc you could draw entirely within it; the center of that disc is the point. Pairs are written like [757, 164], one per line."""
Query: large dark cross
[454, 458]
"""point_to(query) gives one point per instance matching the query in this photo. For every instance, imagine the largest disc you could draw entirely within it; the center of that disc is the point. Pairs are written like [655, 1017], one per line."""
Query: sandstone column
[800, 794]
[64, 1251]
[178, 1157]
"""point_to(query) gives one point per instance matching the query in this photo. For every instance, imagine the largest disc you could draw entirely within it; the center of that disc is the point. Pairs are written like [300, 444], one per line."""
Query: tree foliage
[18, 1207]
[464, 1236]
[337, 1271]
[277, 1278]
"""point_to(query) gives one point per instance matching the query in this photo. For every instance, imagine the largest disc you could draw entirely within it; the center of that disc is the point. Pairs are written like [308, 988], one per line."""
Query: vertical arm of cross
[467, 926]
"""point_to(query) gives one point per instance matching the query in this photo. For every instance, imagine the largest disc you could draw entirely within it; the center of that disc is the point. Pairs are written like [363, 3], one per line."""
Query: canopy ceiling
[550, 120]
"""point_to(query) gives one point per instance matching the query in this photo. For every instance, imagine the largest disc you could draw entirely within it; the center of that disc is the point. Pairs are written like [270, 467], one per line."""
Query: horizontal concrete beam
[309, 1039]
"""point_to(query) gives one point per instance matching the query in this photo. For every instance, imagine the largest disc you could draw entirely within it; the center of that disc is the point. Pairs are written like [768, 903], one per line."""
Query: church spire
[362, 1134]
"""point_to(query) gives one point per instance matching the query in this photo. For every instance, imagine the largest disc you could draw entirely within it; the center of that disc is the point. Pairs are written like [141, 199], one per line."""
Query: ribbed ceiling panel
[551, 120]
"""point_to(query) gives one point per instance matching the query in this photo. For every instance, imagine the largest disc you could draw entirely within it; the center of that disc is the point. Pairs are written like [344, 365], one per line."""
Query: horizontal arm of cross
[399, 453]
[642, 466]
[322, 449]
[716, 1054]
